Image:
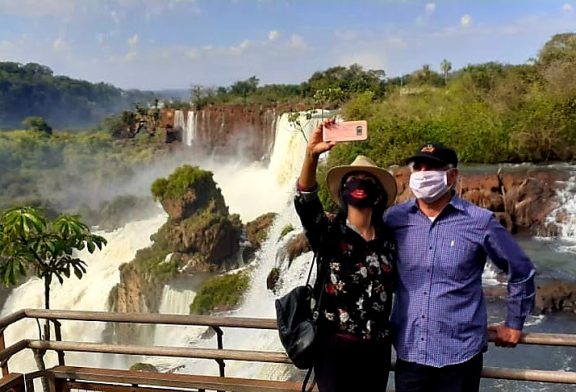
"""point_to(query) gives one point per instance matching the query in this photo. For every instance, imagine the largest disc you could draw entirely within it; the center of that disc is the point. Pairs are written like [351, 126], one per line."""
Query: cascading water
[565, 216]
[255, 185]
[89, 293]
[190, 129]
[179, 122]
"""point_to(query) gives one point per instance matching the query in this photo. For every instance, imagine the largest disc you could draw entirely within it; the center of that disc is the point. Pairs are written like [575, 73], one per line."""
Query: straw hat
[363, 164]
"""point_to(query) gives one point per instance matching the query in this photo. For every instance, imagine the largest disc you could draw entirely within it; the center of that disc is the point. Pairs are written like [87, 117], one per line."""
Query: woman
[356, 259]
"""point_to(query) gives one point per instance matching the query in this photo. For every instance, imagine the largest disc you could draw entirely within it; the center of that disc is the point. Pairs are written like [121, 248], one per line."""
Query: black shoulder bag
[297, 323]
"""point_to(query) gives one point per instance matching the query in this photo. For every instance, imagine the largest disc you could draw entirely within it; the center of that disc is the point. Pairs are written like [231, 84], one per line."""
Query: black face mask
[360, 193]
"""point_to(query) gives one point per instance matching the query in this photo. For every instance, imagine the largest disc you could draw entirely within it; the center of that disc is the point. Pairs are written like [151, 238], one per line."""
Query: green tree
[36, 123]
[245, 87]
[31, 242]
[445, 67]
[560, 48]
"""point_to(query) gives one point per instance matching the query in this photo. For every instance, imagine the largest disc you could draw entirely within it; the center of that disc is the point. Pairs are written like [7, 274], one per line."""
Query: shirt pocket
[457, 257]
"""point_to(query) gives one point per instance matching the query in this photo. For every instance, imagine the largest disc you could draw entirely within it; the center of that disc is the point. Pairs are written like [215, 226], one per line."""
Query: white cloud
[132, 41]
[239, 49]
[297, 42]
[273, 35]
[430, 8]
[465, 20]
[60, 44]
[567, 8]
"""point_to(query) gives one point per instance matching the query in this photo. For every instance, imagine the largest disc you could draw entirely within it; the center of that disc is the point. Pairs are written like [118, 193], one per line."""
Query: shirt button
[425, 292]
[423, 316]
[427, 269]
[422, 339]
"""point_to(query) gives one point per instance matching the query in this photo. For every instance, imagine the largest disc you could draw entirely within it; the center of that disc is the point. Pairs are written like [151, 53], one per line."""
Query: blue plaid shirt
[439, 315]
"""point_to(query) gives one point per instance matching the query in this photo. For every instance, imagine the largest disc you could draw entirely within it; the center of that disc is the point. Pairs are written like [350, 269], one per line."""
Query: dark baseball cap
[435, 152]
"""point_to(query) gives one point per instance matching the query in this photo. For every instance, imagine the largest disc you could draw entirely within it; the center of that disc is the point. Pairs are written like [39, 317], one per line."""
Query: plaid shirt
[439, 315]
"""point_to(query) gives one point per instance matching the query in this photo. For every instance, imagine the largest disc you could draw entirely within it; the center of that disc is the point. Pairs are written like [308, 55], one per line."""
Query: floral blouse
[357, 296]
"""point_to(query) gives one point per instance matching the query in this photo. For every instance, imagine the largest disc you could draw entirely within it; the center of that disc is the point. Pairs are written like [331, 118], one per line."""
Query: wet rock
[272, 278]
[555, 296]
[256, 233]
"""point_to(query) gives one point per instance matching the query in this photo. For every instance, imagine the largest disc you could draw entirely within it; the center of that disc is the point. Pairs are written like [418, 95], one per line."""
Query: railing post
[221, 363]
[5, 370]
[58, 333]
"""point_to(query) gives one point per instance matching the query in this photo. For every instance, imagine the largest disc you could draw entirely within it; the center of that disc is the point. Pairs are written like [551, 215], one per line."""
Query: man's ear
[453, 176]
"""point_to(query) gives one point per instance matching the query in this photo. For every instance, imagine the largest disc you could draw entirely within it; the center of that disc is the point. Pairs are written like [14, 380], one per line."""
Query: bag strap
[305, 382]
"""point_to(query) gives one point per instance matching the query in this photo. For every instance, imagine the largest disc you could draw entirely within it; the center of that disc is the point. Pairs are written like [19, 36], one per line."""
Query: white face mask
[430, 185]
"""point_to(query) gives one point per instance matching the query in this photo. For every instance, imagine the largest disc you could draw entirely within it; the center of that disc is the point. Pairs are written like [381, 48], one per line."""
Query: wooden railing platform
[64, 377]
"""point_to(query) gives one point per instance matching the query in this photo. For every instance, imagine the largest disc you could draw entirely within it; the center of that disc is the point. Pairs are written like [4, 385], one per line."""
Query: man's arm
[505, 252]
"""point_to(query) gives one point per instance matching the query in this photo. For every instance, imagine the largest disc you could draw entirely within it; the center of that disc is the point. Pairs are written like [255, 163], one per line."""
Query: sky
[173, 44]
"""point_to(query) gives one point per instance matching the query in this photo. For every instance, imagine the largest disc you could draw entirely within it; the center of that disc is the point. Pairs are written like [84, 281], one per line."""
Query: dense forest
[32, 90]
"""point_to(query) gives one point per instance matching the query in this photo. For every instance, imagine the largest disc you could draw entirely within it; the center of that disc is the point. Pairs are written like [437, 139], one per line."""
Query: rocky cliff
[243, 130]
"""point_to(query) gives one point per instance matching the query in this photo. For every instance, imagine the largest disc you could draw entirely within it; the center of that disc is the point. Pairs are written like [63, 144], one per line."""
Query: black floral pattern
[358, 291]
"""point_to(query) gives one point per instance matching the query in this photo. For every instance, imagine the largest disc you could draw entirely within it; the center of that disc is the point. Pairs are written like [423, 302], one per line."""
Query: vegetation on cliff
[33, 90]
[73, 172]
[220, 293]
[179, 182]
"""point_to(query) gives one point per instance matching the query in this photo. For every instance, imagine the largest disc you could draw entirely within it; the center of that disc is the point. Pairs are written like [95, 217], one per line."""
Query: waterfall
[565, 215]
[179, 122]
[89, 293]
[190, 129]
[262, 189]
[250, 190]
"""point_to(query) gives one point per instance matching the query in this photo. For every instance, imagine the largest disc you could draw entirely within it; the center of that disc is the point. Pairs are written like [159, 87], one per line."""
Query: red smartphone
[346, 131]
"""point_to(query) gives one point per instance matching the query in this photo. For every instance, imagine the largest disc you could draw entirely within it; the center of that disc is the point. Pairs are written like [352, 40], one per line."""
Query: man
[439, 317]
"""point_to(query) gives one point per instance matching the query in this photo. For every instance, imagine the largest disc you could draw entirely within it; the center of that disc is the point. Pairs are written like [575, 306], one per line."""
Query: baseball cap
[435, 152]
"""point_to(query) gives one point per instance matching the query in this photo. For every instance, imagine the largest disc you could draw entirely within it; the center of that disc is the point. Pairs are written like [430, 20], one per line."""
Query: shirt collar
[455, 202]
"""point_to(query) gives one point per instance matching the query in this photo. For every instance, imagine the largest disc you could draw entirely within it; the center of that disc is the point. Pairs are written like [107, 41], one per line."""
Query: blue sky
[155, 44]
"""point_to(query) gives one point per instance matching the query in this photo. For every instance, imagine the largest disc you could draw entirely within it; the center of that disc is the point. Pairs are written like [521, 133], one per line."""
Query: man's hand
[504, 336]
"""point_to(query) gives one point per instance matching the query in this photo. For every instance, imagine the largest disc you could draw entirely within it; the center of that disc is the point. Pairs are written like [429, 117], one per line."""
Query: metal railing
[219, 354]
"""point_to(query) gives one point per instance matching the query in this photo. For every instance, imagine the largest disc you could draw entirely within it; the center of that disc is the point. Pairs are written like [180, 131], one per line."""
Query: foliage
[152, 263]
[179, 182]
[67, 170]
[285, 230]
[29, 241]
[33, 90]
[37, 124]
[220, 293]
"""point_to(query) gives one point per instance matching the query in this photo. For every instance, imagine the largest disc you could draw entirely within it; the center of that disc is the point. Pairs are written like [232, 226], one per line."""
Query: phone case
[346, 131]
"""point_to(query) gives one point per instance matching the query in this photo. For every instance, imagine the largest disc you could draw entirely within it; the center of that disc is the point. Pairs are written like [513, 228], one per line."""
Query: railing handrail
[144, 318]
[534, 338]
[221, 354]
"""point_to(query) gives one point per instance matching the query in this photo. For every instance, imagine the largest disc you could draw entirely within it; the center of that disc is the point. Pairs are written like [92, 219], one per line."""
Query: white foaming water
[190, 129]
[89, 293]
[490, 275]
[179, 122]
[251, 189]
[565, 215]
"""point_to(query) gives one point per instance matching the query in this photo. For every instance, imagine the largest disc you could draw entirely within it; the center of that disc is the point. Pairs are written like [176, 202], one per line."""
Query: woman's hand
[316, 145]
